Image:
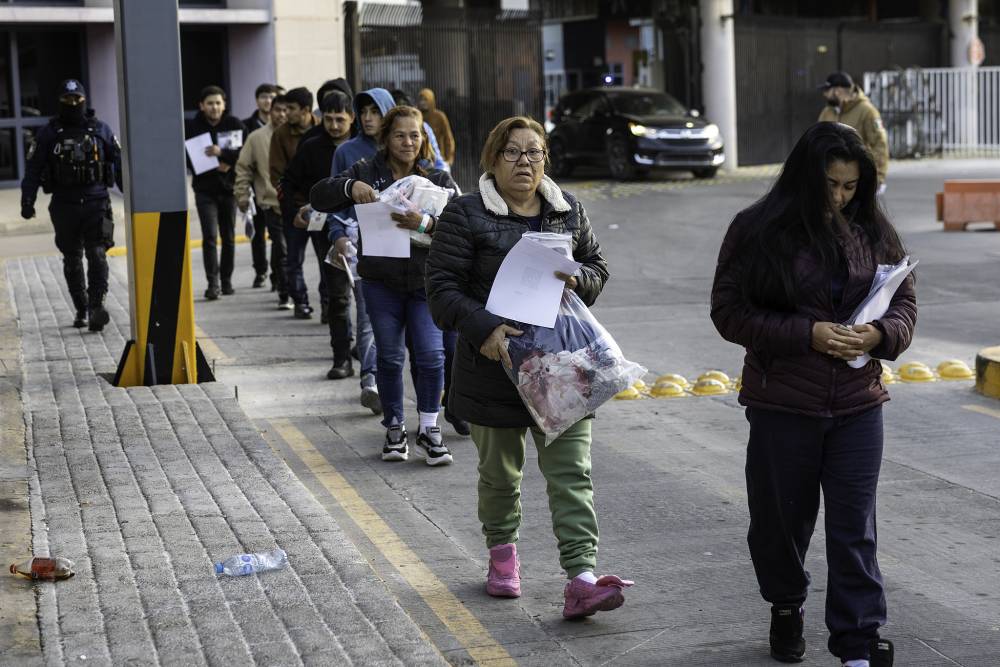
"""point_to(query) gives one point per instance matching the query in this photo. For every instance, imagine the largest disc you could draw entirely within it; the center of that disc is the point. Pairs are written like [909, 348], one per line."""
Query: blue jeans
[297, 239]
[364, 337]
[392, 315]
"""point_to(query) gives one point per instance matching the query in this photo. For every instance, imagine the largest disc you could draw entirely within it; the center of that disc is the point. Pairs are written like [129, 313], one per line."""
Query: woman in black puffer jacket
[474, 234]
[394, 287]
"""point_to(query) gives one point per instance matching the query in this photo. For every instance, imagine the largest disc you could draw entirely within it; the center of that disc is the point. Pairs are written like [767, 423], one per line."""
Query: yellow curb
[120, 250]
[988, 372]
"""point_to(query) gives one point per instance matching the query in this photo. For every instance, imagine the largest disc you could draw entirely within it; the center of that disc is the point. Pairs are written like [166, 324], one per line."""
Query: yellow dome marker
[676, 379]
[955, 369]
[640, 386]
[888, 377]
[710, 387]
[905, 368]
[738, 383]
[628, 394]
[714, 375]
[667, 390]
[914, 373]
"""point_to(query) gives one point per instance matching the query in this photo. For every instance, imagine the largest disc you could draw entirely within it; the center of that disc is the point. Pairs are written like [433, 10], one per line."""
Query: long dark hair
[796, 214]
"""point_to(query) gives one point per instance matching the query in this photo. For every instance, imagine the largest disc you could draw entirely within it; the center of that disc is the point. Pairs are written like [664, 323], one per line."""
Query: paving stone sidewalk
[145, 488]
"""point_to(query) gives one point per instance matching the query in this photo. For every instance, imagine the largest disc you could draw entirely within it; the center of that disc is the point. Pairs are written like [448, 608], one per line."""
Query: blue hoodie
[349, 152]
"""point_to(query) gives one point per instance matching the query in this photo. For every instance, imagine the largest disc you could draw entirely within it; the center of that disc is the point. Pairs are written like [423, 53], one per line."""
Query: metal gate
[483, 65]
[780, 61]
[944, 110]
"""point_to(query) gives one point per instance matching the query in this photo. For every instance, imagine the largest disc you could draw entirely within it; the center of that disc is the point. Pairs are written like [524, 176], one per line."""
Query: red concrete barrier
[966, 201]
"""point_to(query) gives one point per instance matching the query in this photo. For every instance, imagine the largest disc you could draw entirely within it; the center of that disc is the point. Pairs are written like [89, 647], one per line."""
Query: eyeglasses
[514, 154]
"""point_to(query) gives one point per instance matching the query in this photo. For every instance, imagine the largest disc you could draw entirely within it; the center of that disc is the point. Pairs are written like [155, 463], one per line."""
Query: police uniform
[76, 158]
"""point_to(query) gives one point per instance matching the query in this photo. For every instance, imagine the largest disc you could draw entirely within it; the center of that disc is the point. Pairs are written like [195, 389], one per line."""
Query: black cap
[72, 87]
[837, 80]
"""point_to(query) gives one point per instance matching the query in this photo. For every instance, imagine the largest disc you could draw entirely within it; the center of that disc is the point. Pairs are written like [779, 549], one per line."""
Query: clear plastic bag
[565, 373]
[416, 193]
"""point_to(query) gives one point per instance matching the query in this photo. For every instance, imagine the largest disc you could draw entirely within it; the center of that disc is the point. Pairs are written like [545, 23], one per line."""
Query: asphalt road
[668, 473]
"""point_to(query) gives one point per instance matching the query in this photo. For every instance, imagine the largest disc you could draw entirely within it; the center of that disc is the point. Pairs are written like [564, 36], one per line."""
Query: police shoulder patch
[878, 123]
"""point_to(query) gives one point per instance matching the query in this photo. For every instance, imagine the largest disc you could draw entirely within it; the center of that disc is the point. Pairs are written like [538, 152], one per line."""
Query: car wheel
[708, 172]
[559, 164]
[619, 161]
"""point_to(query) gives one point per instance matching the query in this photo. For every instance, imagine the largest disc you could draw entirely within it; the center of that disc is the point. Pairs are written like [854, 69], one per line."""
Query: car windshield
[648, 104]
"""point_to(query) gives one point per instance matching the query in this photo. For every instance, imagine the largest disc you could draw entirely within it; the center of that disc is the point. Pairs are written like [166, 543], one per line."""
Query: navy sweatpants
[790, 458]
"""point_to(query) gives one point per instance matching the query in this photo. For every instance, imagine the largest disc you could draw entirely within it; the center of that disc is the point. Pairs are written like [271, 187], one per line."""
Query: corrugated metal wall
[780, 61]
[483, 66]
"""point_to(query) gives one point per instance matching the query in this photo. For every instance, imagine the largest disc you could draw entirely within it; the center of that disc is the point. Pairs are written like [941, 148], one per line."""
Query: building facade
[236, 44]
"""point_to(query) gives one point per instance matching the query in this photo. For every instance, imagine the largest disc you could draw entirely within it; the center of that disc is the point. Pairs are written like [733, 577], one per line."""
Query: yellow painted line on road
[120, 250]
[208, 346]
[983, 410]
[466, 628]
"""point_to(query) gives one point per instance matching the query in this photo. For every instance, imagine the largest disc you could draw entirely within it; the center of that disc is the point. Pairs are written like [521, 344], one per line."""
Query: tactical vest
[79, 158]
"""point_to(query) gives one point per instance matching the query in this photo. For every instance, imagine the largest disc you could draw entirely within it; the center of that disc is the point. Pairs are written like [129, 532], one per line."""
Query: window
[33, 62]
[203, 61]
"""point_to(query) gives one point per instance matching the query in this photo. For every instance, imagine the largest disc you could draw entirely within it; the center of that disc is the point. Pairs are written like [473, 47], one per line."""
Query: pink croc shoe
[584, 599]
[504, 578]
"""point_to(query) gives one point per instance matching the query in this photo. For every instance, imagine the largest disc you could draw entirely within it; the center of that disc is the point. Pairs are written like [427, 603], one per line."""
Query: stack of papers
[380, 235]
[525, 288]
[888, 278]
[196, 151]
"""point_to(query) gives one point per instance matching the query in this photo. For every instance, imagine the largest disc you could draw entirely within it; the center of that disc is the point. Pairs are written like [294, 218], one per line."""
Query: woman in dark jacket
[474, 234]
[394, 287]
[792, 267]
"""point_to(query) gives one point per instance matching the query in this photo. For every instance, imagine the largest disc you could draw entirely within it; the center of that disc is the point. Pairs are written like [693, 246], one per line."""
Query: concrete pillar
[718, 57]
[251, 63]
[963, 24]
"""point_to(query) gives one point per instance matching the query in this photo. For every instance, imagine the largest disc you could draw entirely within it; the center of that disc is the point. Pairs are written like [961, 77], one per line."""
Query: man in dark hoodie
[329, 86]
[213, 190]
[310, 164]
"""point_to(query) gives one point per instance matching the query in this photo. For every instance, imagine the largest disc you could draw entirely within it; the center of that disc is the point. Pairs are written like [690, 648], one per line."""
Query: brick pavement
[145, 488]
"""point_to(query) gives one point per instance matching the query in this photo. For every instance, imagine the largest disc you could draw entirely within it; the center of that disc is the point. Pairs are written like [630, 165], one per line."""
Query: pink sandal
[504, 578]
[585, 599]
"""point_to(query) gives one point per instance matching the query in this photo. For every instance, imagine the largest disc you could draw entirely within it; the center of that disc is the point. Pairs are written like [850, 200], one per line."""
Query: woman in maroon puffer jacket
[791, 267]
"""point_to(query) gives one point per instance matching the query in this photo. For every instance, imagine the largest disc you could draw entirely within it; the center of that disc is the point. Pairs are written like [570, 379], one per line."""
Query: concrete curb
[988, 372]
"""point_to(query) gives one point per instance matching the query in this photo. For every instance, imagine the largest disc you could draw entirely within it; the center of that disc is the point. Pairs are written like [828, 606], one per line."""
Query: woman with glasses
[474, 234]
[394, 287]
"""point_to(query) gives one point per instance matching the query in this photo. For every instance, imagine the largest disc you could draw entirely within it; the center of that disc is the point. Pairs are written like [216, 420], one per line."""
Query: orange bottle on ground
[45, 569]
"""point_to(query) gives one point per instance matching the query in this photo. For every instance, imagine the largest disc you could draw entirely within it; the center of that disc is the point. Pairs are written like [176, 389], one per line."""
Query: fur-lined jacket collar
[495, 204]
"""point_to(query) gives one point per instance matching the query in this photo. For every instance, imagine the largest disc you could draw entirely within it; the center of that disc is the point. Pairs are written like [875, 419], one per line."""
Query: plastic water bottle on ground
[236, 566]
[46, 569]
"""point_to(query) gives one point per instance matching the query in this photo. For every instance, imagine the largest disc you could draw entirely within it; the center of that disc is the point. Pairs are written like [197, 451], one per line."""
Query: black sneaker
[212, 293]
[787, 644]
[460, 425]
[285, 303]
[395, 448]
[98, 318]
[434, 450]
[81, 318]
[258, 280]
[344, 369]
[881, 653]
[303, 311]
[227, 289]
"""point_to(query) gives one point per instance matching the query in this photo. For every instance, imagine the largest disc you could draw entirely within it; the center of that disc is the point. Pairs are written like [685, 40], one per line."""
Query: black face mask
[832, 102]
[71, 113]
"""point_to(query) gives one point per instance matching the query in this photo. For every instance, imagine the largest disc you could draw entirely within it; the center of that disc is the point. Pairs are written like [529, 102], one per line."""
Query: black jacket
[331, 195]
[309, 165]
[469, 245]
[215, 182]
[781, 371]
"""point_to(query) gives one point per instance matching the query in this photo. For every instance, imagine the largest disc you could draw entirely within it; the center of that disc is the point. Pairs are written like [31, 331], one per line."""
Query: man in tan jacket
[848, 104]
[253, 170]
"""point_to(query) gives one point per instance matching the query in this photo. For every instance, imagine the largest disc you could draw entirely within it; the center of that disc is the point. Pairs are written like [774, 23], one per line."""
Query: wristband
[423, 224]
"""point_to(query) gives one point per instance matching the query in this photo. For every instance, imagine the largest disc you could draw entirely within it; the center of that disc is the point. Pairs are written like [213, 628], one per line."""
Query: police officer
[847, 103]
[76, 158]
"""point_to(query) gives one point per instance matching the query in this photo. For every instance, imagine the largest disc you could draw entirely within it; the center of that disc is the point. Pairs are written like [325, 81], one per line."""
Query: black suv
[631, 130]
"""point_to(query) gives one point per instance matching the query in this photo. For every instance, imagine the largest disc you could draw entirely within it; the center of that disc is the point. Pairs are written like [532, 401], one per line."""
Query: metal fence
[484, 65]
[942, 110]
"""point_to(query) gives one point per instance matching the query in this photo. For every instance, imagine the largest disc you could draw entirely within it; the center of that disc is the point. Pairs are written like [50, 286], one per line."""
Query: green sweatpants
[565, 464]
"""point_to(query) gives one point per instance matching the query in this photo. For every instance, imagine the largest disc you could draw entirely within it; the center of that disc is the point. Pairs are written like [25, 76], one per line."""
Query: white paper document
[526, 288]
[195, 147]
[380, 237]
[888, 278]
[232, 140]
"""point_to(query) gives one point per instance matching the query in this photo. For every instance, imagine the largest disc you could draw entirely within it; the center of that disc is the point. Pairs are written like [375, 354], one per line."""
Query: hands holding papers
[854, 340]
[380, 235]
[200, 150]
[526, 288]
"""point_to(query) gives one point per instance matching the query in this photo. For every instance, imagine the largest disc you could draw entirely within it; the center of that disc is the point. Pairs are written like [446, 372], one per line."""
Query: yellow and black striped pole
[162, 349]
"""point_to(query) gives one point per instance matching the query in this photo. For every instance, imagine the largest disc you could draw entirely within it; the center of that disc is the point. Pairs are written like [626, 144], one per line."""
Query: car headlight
[638, 130]
[711, 131]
